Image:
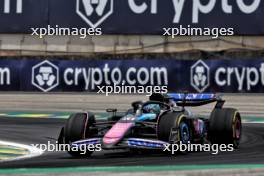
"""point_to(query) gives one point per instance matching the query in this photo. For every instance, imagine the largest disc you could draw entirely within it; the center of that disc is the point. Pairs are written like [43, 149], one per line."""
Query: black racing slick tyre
[225, 127]
[77, 128]
[173, 123]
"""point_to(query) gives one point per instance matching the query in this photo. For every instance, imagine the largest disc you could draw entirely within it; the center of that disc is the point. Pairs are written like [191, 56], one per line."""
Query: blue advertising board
[132, 16]
[57, 75]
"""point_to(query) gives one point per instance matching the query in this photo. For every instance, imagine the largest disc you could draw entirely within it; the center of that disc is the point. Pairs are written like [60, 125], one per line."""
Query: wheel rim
[184, 132]
[237, 129]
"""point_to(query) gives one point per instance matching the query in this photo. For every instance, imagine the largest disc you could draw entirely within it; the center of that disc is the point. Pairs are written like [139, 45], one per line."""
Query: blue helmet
[152, 108]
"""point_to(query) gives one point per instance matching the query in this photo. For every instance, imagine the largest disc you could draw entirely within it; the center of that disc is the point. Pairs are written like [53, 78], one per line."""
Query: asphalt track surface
[34, 131]
[40, 131]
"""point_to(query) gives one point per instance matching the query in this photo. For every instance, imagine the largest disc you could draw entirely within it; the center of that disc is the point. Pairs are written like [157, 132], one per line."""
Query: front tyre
[77, 128]
[174, 128]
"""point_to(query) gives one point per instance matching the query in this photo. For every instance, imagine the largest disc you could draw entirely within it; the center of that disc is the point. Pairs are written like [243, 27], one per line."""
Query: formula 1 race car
[164, 119]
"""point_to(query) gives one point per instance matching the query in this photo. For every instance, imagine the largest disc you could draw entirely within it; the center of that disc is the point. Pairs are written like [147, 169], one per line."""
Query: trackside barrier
[135, 17]
[58, 75]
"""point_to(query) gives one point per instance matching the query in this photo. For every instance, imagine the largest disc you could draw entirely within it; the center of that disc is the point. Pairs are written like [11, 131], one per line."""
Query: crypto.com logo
[94, 12]
[200, 76]
[45, 76]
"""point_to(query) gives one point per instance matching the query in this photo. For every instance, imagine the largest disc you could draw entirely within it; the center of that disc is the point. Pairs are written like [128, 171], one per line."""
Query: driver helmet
[152, 108]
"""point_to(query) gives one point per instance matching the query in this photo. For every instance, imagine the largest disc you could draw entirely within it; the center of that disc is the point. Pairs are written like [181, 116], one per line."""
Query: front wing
[125, 143]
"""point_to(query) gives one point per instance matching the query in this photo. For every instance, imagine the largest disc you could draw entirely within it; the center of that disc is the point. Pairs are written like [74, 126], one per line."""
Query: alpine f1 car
[164, 119]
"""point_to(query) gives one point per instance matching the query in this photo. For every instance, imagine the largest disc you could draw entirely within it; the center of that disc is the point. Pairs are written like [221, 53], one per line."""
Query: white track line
[254, 122]
[33, 151]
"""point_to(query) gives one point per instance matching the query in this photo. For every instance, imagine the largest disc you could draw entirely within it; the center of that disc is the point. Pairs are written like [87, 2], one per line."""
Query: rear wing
[194, 99]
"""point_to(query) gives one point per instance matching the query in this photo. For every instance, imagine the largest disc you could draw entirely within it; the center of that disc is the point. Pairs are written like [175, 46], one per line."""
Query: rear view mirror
[136, 105]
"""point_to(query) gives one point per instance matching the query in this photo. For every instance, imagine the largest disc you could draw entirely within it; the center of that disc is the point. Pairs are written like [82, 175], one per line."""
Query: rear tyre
[225, 127]
[77, 128]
